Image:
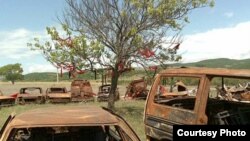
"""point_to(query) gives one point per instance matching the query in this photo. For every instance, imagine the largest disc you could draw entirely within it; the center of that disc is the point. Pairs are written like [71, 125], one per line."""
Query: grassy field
[130, 110]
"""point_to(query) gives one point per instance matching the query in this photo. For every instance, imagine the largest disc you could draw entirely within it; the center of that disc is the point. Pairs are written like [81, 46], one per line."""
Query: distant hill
[211, 63]
[51, 76]
[218, 63]
[40, 76]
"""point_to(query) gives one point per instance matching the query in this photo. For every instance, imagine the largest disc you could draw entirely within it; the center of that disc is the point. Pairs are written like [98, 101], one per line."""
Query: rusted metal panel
[30, 95]
[137, 89]
[6, 100]
[159, 118]
[201, 101]
[81, 90]
[209, 71]
[58, 94]
[67, 120]
[63, 116]
[180, 116]
[158, 134]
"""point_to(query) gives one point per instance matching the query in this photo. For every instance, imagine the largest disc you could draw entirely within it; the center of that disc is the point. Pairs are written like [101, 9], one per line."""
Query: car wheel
[20, 101]
[39, 100]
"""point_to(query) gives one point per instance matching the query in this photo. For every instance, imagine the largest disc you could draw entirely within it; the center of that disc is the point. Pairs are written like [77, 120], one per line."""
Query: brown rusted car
[81, 90]
[137, 89]
[6, 100]
[67, 123]
[208, 96]
[30, 95]
[58, 95]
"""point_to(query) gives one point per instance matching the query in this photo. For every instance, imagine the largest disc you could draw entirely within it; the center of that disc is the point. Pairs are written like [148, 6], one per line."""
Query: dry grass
[131, 111]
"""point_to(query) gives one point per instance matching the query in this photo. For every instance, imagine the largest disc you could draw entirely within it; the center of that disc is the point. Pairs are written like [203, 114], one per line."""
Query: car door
[167, 105]
[5, 125]
[124, 129]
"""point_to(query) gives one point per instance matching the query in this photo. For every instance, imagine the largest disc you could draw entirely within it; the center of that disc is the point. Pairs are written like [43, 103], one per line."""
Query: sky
[219, 32]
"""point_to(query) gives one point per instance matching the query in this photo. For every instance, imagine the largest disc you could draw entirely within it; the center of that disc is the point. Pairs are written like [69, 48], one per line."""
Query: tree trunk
[112, 94]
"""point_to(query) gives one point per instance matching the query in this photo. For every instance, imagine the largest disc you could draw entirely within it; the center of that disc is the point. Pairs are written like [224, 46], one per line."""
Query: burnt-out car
[137, 89]
[30, 95]
[196, 96]
[6, 100]
[58, 95]
[103, 93]
[81, 90]
[67, 123]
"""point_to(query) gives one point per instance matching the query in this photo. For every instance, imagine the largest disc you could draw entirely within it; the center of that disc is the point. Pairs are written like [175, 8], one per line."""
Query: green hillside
[218, 63]
[50, 76]
[211, 63]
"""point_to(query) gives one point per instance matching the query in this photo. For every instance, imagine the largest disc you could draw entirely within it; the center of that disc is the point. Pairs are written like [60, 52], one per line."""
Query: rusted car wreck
[58, 95]
[71, 123]
[209, 96]
[137, 89]
[30, 95]
[6, 100]
[81, 90]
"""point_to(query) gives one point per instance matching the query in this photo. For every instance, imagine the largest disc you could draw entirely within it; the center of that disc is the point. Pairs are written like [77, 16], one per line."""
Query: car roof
[6, 97]
[209, 71]
[66, 115]
[31, 88]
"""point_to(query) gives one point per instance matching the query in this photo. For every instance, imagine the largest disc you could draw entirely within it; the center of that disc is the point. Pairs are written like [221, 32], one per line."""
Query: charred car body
[6, 100]
[71, 123]
[103, 93]
[81, 90]
[137, 89]
[58, 95]
[30, 95]
[205, 99]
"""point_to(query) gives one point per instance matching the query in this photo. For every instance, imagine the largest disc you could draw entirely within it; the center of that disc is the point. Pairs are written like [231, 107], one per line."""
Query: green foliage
[12, 72]
[116, 31]
[68, 50]
[119, 33]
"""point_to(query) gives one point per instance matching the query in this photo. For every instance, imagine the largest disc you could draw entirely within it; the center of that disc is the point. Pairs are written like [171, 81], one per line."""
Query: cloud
[14, 49]
[229, 14]
[13, 44]
[40, 68]
[231, 42]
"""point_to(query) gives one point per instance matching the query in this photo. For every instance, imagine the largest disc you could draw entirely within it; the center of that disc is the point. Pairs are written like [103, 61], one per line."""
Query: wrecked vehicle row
[80, 91]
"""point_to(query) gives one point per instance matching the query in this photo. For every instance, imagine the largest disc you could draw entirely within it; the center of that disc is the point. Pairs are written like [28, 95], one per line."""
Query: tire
[20, 101]
[40, 100]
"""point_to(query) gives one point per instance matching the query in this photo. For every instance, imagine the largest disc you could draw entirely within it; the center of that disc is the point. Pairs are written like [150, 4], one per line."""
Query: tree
[12, 72]
[115, 34]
